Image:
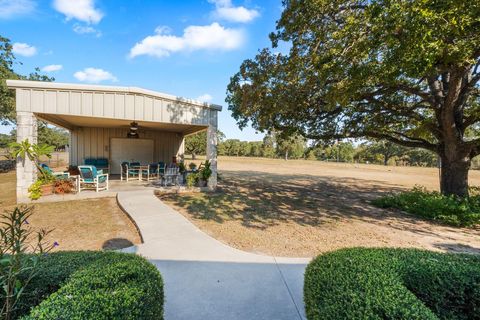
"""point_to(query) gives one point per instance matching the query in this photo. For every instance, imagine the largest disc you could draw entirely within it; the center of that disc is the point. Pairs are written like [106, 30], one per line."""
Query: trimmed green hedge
[362, 283]
[94, 285]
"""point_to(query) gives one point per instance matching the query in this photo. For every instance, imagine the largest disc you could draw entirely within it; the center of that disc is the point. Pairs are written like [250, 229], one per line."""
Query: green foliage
[192, 166]
[182, 168]
[56, 137]
[192, 179]
[33, 152]
[360, 283]
[196, 144]
[5, 140]
[206, 172]
[451, 210]
[94, 285]
[112, 286]
[380, 69]
[17, 268]
[291, 147]
[7, 96]
[35, 190]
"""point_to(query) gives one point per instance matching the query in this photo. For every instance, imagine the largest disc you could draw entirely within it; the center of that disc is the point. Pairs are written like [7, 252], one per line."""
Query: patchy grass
[303, 208]
[91, 224]
[432, 205]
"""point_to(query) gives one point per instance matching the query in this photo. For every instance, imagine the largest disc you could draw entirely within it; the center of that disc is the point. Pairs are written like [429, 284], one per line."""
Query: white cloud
[82, 10]
[24, 49]
[86, 29]
[211, 37]
[94, 75]
[204, 98]
[15, 8]
[52, 68]
[224, 9]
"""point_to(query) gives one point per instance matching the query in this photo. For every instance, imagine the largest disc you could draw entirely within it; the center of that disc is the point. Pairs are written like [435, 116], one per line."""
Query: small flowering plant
[21, 248]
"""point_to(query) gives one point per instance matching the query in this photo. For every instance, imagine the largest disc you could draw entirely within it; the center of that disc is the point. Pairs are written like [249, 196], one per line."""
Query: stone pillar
[212, 148]
[26, 169]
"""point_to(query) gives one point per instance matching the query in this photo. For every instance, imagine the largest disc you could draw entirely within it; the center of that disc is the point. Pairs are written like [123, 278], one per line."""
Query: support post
[26, 169]
[212, 148]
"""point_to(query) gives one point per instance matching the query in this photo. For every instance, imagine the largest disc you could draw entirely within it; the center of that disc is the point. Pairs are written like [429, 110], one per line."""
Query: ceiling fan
[133, 133]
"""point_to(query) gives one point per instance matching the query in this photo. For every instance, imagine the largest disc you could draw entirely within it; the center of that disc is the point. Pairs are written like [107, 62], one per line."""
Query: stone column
[26, 169]
[212, 148]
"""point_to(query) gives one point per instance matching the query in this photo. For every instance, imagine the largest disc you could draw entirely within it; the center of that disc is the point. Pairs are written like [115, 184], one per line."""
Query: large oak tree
[400, 70]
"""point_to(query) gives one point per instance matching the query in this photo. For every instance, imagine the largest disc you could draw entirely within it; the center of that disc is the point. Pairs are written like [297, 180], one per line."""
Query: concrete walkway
[206, 279]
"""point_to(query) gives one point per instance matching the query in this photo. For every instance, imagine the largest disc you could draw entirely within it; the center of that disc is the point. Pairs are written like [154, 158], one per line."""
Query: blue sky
[185, 48]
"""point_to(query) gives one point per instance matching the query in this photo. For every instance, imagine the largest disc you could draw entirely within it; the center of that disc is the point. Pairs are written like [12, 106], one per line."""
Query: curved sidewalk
[206, 279]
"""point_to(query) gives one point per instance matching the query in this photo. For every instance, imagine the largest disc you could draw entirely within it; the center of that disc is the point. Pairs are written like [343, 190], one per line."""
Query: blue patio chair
[63, 175]
[126, 171]
[153, 170]
[90, 162]
[91, 178]
[161, 168]
[102, 163]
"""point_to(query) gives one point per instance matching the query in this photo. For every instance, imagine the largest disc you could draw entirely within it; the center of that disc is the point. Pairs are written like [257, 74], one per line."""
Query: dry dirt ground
[303, 208]
[92, 224]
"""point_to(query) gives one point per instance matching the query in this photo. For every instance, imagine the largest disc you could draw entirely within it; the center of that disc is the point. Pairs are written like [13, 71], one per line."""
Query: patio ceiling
[71, 122]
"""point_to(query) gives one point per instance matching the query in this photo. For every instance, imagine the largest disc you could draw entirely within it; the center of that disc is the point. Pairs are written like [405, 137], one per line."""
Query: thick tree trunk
[194, 156]
[454, 175]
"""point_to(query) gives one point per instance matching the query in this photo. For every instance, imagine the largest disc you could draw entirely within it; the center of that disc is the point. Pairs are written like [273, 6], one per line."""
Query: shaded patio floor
[115, 186]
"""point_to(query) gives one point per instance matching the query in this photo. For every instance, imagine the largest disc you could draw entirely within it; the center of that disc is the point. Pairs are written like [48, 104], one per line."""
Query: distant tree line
[297, 147]
[52, 136]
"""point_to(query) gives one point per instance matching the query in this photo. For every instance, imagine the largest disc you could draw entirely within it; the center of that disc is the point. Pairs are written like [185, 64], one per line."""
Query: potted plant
[25, 149]
[192, 166]
[192, 179]
[204, 174]
[182, 169]
[73, 170]
[62, 186]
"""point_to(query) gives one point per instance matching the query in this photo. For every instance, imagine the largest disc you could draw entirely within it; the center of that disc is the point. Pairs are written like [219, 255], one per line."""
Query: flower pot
[202, 183]
[47, 189]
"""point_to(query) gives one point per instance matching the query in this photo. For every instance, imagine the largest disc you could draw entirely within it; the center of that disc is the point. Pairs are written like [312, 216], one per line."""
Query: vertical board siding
[37, 100]
[95, 142]
[112, 105]
[23, 100]
[139, 108]
[119, 106]
[148, 111]
[130, 106]
[109, 105]
[62, 102]
[75, 103]
[50, 102]
[87, 103]
[98, 104]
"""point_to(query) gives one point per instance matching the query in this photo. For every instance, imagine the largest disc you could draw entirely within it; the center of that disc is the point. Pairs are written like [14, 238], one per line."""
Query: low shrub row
[362, 283]
[451, 210]
[93, 285]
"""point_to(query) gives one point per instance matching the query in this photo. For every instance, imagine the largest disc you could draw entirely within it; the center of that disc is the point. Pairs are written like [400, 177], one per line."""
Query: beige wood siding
[95, 142]
[113, 105]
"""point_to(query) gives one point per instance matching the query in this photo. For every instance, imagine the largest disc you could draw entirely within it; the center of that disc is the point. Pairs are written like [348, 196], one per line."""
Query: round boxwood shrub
[94, 285]
[361, 283]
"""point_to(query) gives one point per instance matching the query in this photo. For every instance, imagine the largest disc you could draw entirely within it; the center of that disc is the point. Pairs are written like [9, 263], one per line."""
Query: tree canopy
[55, 137]
[399, 70]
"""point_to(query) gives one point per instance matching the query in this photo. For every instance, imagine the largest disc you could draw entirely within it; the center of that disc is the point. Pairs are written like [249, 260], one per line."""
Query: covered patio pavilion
[99, 119]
